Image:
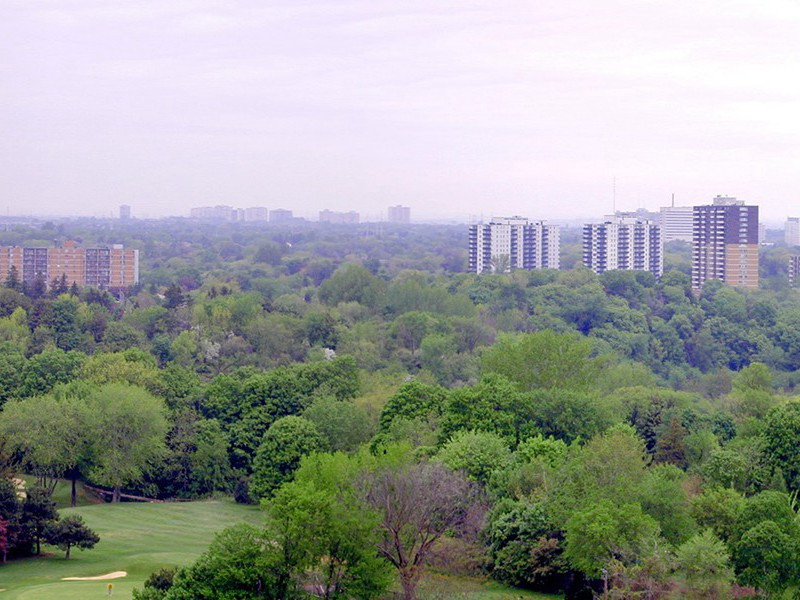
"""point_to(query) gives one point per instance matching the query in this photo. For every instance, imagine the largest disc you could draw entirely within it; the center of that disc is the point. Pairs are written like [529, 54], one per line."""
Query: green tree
[703, 560]
[603, 533]
[411, 401]
[126, 427]
[782, 429]
[286, 442]
[544, 359]
[43, 371]
[765, 557]
[71, 531]
[319, 519]
[352, 283]
[240, 563]
[477, 454]
[495, 404]
[38, 512]
[50, 435]
[344, 425]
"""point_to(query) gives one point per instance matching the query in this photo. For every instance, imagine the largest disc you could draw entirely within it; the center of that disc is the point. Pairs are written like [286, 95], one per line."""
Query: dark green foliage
[38, 513]
[43, 371]
[70, 531]
[495, 405]
[411, 401]
[515, 533]
[286, 442]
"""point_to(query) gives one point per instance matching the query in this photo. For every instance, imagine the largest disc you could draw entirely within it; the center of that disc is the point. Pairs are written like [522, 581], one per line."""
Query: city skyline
[560, 109]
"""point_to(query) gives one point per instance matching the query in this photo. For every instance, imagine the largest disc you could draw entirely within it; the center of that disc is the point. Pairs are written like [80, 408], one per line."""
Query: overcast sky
[455, 108]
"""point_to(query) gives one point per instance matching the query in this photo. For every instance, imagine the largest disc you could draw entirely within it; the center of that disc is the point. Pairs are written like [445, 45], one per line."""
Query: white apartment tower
[792, 231]
[399, 214]
[676, 223]
[509, 243]
[626, 244]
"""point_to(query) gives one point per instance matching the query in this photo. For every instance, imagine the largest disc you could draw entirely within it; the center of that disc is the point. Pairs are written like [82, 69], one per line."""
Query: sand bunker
[112, 575]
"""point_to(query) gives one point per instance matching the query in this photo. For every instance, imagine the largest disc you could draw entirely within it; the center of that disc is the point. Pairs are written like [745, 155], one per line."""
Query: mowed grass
[142, 538]
[137, 538]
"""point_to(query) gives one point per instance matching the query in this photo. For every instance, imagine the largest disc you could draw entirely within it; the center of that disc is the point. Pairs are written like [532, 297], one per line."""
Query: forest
[576, 434]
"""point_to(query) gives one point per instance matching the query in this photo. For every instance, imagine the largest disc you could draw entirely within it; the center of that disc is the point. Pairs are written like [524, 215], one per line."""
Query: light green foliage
[133, 367]
[319, 518]
[605, 532]
[352, 283]
[14, 329]
[755, 376]
[704, 562]
[609, 467]
[43, 371]
[475, 453]
[12, 362]
[663, 497]
[286, 442]
[126, 428]
[49, 432]
[725, 468]
[409, 328]
[543, 360]
[781, 434]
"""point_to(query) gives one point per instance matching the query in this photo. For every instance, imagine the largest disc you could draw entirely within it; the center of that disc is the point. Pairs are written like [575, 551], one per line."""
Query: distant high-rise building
[762, 234]
[505, 244]
[791, 232]
[124, 212]
[399, 214]
[725, 243]
[106, 267]
[256, 213]
[338, 218]
[280, 215]
[794, 270]
[220, 212]
[677, 223]
[629, 244]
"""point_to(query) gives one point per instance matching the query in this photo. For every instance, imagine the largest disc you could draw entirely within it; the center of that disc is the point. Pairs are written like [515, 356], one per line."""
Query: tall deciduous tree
[544, 359]
[49, 433]
[127, 428]
[418, 504]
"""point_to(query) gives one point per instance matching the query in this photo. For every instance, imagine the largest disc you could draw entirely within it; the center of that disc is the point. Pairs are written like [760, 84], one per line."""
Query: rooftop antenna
[673, 200]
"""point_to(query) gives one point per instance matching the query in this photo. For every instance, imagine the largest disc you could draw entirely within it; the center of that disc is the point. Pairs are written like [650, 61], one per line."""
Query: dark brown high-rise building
[725, 243]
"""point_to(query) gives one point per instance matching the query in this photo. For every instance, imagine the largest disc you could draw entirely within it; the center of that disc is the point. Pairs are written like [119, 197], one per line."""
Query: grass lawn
[140, 538]
[137, 538]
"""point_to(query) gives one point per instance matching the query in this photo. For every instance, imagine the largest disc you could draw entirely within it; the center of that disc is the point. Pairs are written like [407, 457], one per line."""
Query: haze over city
[454, 108]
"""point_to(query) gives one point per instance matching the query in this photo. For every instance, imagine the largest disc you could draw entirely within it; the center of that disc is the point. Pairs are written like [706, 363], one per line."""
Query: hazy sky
[456, 108]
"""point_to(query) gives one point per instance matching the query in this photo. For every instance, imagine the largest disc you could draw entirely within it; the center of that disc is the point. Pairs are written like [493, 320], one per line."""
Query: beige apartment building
[111, 267]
